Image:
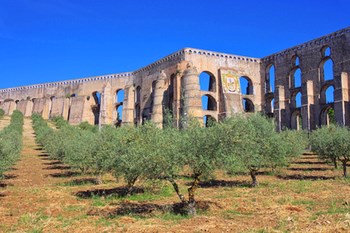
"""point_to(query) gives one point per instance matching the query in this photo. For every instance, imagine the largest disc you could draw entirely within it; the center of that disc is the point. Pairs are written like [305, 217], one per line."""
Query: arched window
[96, 107]
[246, 85]
[248, 105]
[327, 69]
[326, 51]
[327, 116]
[137, 114]
[296, 121]
[119, 114]
[329, 95]
[270, 79]
[207, 81]
[208, 103]
[296, 78]
[97, 97]
[298, 100]
[120, 96]
[295, 61]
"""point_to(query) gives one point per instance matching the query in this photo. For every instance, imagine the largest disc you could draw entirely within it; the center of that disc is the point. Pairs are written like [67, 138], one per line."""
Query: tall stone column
[306, 108]
[158, 100]
[280, 108]
[128, 105]
[191, 97]
[106, 109]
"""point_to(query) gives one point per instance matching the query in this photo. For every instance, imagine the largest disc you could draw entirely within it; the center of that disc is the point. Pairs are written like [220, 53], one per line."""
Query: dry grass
[40, 195]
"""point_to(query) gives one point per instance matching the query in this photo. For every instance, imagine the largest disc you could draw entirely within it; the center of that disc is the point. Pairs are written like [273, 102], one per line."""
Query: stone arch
[296, 99]
[295, 79]
[327, 94]
[208, 120]
[296, 120]
[119, 117]
[246, 85]
[327, 115]
[326, 51]
[270, 78]
[248, 105]
[96, 106]
[119, 96]
[326, 69]
[209, 103]
[207, 81]
[295, 61]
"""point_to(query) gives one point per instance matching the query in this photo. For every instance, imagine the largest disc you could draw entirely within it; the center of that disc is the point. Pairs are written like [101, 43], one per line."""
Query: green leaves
[332, 143]
[11, 142]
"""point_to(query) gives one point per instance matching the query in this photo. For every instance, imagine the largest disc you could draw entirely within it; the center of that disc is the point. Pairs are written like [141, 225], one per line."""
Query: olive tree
[332, 143]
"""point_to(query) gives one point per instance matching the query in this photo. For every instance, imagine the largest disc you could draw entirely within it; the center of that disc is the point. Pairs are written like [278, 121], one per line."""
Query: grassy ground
[42, 195]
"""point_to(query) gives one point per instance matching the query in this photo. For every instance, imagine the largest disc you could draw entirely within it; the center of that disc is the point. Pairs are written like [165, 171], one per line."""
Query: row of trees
[332, 143]
[11, 142]
[239, 144]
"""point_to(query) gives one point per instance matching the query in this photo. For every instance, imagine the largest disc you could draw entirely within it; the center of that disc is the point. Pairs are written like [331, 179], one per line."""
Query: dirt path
[30, 186]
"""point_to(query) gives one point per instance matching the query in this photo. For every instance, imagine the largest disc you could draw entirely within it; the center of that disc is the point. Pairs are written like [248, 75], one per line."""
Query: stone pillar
[87, 114]
[158, 100]
[128, 105]
[306, 107]
[46, 109]
[29, 108]
[343, 115]
[76, 110]
[280, 108]
[192, 103]
[106, 109]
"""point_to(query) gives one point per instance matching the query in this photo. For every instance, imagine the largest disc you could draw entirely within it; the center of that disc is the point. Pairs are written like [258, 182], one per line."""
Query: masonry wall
[172, 84]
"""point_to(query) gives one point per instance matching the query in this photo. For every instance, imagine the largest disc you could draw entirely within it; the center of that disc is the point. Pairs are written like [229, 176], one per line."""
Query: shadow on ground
[148, 209]
[120, 192]
[66, 174]
[222, 183]
[309, 162]
[58, 167]
[304, 177]
[309, 169]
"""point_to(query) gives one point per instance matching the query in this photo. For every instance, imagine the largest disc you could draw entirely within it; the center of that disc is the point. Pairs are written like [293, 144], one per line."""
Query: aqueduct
[302, 87]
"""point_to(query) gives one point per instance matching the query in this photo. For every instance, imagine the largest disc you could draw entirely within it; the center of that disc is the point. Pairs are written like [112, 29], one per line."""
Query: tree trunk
[131, 186]
[335, 163]
[191, 200]
[176, 188]
[99, 178]
[254, 180]
[344, 168]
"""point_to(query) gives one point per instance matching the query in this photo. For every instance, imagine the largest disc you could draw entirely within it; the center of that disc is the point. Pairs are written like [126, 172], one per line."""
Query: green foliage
[11, 142]
[332, 143]
[59, 122]
[251, 143]
[86, 126]
[2, 113]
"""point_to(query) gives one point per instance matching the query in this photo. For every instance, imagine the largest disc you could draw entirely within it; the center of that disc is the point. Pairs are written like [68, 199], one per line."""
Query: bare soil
[43, 195]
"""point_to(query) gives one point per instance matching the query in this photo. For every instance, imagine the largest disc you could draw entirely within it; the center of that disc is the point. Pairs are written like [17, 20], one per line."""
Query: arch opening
[248, 105]
[297, 78]
[270, 79]
[246, 85]
[207, 81]
[120, 96]
[208, 120]
[327, 70]
[209, 103]
[296, 120]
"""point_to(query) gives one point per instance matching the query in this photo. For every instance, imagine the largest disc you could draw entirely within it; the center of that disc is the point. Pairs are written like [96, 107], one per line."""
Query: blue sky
[52, 40]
